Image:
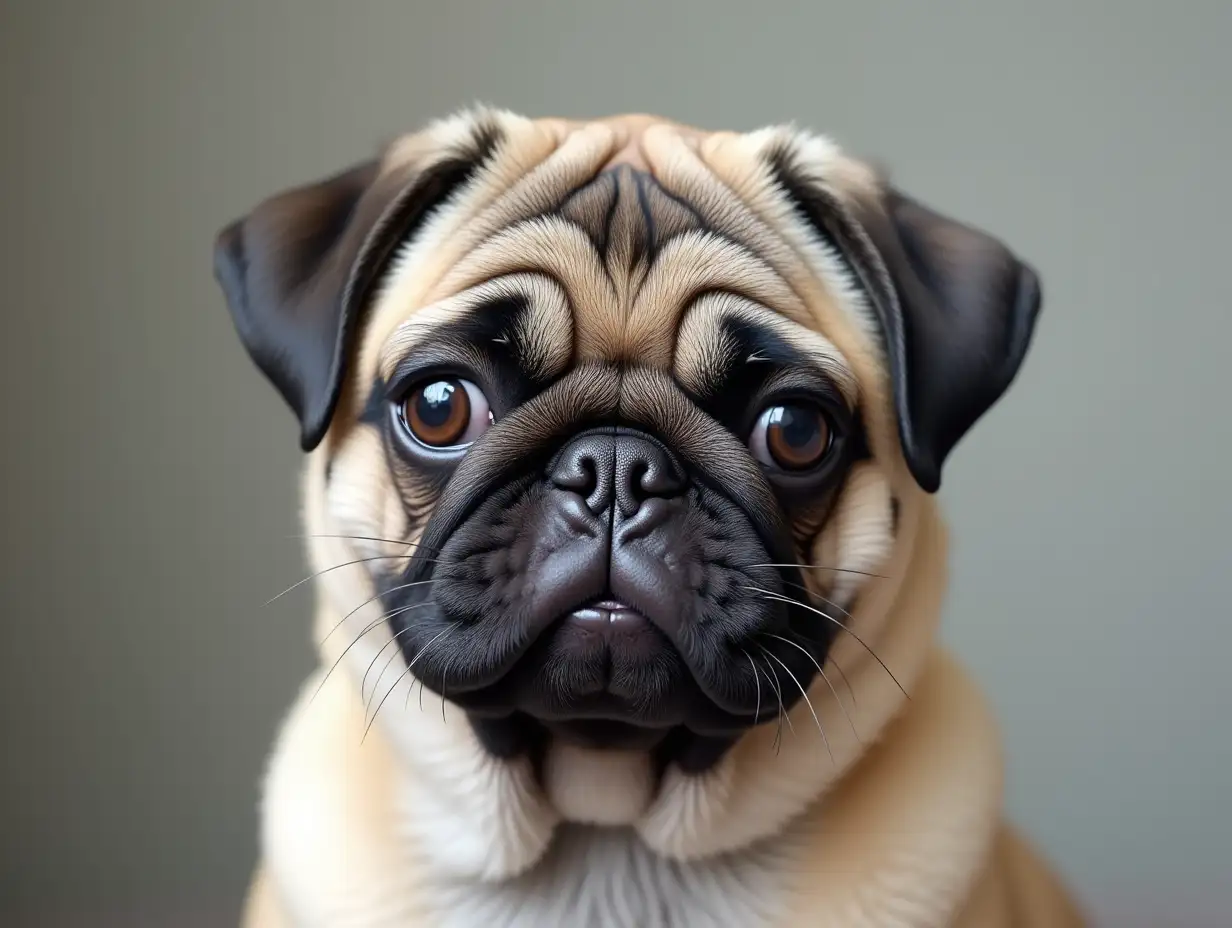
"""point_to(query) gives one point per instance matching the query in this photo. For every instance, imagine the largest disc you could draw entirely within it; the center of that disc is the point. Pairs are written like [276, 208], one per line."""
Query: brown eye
[446, 413]
[791, 436]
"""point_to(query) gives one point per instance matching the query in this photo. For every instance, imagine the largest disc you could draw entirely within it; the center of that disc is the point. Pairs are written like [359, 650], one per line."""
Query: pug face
[617, 416]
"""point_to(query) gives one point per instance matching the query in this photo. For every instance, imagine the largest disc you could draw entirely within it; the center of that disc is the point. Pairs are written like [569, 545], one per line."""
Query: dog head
[617, 418]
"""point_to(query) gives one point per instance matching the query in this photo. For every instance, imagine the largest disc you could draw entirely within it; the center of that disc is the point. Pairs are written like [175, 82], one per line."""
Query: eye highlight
[445, 413]
[792, 436]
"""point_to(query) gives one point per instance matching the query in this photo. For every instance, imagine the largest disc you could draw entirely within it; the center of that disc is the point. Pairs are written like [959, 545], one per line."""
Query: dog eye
[791, 436]
[446, 413]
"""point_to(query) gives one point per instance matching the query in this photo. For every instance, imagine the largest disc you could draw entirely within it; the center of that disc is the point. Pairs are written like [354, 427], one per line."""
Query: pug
[623, 439]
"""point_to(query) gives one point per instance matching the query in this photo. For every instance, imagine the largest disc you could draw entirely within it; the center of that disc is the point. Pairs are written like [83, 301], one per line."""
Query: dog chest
[606, 878]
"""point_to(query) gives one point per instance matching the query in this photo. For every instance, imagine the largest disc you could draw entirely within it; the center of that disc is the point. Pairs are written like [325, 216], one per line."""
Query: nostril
[644, 471]
[579, 473]
[584, 468]
[641, 487]
[590, 475]
[656, 478]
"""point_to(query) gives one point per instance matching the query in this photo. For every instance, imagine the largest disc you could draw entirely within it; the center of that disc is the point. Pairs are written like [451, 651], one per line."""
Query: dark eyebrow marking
[749, 349]
[482, 334]
[483, 326]
[733, 383]
[752, 338]
[649, 244]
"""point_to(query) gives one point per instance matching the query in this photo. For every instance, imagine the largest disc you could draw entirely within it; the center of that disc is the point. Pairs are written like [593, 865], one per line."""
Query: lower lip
[609, 605]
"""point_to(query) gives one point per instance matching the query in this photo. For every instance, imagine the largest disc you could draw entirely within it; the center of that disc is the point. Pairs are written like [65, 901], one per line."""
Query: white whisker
[825, 678]
[839, 570]
[402, 676]
[359, 560]
[825, 615]
[808, 702]
[757, 682]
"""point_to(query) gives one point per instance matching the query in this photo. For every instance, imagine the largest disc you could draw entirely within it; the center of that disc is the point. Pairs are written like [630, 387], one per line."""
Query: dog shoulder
[1018, 890]
[329, 843]
[920, 813]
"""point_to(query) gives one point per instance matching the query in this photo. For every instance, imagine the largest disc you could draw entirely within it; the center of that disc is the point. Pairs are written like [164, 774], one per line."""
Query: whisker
[847, 683]
[378, 595]
[826, 615]
[824, 677]
[815, 594]
[389, 615]
[799, 586]
[401, 676]
[380, 620]
[808, 702]
[830, 602]
[406, 702]
[377, 538]
[363, 683]
[757, 681]
[839, 570]
[444, 685]
[362, 560]
[812, 593]
[778, 692]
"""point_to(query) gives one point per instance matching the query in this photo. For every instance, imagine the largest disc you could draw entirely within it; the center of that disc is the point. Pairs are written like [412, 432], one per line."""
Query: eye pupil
[434, 403]
[797, 436]
[799, 431]
[438, 413]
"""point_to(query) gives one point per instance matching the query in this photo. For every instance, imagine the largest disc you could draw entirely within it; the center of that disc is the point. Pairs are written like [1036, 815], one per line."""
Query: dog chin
[603, 676]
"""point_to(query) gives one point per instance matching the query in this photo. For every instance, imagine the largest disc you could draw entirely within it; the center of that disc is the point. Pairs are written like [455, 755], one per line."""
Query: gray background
[149, 474]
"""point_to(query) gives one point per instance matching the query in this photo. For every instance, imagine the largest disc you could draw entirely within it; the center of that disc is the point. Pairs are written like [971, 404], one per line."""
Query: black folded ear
[298, 271]
[956, 308]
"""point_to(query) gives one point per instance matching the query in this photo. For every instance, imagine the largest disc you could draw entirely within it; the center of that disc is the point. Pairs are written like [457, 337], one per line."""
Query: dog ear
[298, 271]
[958, 330]
[956, 308]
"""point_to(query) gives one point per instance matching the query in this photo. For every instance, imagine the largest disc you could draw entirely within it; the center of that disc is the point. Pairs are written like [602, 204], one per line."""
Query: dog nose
[626, 467]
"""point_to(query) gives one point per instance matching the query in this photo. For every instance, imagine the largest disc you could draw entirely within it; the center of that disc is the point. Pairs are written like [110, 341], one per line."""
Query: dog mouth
[606, 649]
[602, 662]
[609, 631]
[667, 651]
[619, 671]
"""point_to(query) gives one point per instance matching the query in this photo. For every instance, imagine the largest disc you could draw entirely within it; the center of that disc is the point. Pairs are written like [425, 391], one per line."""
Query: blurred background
[149, 491]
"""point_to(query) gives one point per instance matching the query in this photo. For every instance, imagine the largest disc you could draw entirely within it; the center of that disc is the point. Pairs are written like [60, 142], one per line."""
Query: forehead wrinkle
[684, 173]
[690, 265]
[542, 189]
[544, 244]
[543, 336]
[550, 333]
[521, 181]
[629, 308]
[702, 342]
[631, 222]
